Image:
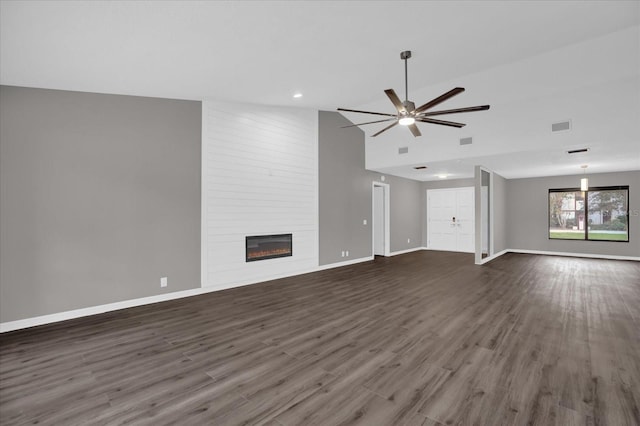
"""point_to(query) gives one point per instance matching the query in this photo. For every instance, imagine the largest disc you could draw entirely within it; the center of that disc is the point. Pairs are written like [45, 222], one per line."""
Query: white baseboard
[345, 263]
[94, 310]
[450, 251]
[568, 254]
[492, 257]
[395, 253]
[557, 253]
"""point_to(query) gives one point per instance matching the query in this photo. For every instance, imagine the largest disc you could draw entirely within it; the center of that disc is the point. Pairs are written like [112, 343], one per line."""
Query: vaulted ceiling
[535, 62]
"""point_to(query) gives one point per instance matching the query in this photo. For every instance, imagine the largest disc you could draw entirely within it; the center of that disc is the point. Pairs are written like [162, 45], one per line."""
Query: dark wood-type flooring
[425, 338]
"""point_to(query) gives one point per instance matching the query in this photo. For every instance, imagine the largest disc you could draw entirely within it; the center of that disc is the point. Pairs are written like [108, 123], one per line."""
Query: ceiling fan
[407, 113]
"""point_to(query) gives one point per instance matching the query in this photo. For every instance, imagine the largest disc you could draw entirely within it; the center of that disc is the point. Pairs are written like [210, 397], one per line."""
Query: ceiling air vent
[420, 167]
[559, 127]
[403, 150]
[577, 151]
[466, 141]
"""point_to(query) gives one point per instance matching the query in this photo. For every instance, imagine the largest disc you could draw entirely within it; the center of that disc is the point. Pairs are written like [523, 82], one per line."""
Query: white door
[450, 215]
[441, 226]
[465, 220]
[378, 221]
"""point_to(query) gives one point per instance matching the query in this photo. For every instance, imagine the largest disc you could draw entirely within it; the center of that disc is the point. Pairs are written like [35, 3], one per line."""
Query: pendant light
[584, 182]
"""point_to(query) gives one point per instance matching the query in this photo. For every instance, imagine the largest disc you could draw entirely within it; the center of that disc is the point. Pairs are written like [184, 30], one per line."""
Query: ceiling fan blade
[439, 99]
[367, 112]
[444, 123]
[395, 100]
[414, 129]
[369, 122]
[385, 129]
[455, 111]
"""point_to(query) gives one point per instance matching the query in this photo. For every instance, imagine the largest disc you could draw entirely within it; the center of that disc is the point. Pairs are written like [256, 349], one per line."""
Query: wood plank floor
[425, 338]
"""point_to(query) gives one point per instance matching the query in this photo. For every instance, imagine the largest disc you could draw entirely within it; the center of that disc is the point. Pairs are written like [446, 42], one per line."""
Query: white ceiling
[534, 62]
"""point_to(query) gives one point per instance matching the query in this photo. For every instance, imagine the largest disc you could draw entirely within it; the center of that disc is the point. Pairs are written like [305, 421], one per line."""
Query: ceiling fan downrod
[404, 56]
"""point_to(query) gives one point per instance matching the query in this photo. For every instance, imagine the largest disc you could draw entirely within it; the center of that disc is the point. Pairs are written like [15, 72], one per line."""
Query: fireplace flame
[262, 253]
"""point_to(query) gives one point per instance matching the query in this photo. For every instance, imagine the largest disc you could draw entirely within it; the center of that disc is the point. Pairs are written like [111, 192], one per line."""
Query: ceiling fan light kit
[406, 112]
[406, 120]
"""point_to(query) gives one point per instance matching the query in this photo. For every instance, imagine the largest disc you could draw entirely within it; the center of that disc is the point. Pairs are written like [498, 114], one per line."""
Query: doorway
[451, 219]
[380, 219]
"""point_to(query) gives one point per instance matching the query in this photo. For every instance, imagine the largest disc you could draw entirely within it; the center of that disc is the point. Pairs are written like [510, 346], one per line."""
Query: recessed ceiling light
[442, 176]
[297, 95]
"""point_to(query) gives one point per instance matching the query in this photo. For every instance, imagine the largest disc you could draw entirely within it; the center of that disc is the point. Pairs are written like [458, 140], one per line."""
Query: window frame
[586, 211]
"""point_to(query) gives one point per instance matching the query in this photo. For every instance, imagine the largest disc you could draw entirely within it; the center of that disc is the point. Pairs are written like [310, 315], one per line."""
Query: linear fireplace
[260, 247]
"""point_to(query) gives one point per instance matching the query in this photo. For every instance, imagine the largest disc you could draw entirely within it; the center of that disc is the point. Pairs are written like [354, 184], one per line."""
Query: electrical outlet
[164, 282]
[408, 240]
[364, 222]
[342, 253]
[347, 253]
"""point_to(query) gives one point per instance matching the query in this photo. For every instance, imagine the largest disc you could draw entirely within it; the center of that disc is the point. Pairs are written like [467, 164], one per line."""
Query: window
[599, 214]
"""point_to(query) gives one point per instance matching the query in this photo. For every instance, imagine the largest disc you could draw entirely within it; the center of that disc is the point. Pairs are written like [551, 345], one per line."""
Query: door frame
[479, 260]
[472, 188]
[387, 222]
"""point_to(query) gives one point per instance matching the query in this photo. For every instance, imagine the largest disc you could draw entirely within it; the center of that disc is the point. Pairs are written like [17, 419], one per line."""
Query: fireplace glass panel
[260, 247]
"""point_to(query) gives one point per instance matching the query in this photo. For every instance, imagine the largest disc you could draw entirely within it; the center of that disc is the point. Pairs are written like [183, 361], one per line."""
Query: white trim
[345, 263]
[93, 310]
[587, 255]
[395, 253]
[478, 231]
[491, 208]
[450, 251]
[316, 201]
[387, 219]
[492, 257]
[204, 254]
[558, 253]
[492, 227]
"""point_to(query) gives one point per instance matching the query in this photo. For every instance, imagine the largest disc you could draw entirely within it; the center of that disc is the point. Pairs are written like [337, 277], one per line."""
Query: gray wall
[527, 214]
[99, 198]
[345, 196]
[344, 191]
[438, 184]
[405, 212]
[499, 233]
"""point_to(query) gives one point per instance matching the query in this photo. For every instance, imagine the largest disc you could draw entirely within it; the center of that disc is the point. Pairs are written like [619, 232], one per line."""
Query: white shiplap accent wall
[260, 177]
